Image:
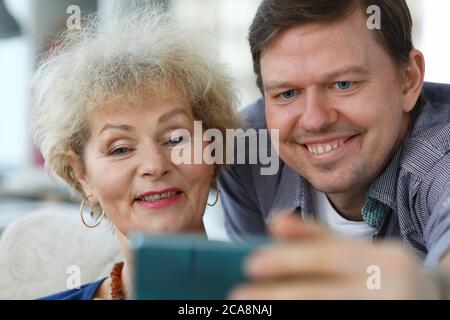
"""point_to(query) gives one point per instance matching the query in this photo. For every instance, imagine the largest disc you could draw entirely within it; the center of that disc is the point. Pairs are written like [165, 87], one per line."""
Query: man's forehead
[342, 34]
[322, 65]
[346, 32]
[320, 50]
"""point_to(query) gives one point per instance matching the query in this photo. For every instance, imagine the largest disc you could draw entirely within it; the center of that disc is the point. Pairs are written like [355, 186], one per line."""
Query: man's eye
[288, 95]
[120, 151]
[343, 85]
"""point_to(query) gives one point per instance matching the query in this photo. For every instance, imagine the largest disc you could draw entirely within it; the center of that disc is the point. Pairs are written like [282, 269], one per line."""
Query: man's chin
[330, 189]
[331, 185]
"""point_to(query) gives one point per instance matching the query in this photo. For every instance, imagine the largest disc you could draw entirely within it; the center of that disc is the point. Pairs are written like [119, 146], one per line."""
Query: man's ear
[80, 173]
[413, 77]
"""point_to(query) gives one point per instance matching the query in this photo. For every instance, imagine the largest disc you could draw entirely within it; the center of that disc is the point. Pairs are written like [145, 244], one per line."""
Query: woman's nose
[153, 163]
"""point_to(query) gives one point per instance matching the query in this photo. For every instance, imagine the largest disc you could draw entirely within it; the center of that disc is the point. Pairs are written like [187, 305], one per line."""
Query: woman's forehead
[157, 109]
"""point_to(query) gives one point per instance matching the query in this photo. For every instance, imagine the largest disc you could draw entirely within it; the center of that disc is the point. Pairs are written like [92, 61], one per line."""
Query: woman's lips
[160, 203]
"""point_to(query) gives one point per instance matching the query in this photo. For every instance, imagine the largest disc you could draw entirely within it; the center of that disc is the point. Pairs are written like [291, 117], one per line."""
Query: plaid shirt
[408, 201]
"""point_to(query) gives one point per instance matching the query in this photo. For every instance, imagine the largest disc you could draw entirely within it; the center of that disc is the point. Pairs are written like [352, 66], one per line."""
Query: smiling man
[365, 151]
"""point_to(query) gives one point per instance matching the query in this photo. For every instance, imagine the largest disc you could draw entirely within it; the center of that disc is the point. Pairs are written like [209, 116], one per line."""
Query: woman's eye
[343, 85]
[288, 95]
[120, 151]
[175, 140]
[176, 137]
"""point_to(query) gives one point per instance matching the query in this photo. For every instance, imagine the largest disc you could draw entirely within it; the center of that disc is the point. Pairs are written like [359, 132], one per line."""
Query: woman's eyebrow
[123, 127]
[164, 118]
[172, 114]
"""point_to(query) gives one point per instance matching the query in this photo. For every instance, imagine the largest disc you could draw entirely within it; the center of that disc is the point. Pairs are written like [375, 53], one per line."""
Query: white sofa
[38, 250]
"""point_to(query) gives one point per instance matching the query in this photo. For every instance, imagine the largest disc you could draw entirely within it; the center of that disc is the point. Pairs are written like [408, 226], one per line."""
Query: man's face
[336, 97]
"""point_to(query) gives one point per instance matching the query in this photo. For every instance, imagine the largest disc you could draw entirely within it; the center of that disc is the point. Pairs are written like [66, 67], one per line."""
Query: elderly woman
[110, 105]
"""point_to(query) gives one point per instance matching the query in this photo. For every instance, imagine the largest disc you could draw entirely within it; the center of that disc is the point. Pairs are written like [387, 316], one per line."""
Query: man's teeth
[156, 197]
[319, 149]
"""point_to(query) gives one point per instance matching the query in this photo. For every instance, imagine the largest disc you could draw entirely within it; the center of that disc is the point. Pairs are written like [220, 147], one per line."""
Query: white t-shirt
[331, 218]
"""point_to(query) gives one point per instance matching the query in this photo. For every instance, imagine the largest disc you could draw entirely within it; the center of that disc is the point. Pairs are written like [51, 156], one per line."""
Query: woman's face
[128, 168]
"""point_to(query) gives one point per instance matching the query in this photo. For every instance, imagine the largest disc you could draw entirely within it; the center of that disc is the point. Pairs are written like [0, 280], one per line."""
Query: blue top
[86, 292]
[408, 201]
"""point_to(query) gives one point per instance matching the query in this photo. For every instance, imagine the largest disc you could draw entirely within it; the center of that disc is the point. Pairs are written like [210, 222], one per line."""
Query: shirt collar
[296, 194]
[379, 198]
[384, 187]
[293, 193]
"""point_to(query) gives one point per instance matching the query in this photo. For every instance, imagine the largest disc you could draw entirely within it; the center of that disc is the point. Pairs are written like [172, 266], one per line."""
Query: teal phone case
[187, 267]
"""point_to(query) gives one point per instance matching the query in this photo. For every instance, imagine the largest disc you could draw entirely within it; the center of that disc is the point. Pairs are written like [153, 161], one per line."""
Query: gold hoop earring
[90, 211]
[215, 202]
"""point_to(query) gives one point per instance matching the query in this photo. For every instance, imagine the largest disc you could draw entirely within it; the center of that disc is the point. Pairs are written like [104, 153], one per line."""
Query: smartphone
[188, 267]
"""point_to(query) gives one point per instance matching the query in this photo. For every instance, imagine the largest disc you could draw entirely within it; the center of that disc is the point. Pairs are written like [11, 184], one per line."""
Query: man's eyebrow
[274, 85]
[172, 114]
[356, 70]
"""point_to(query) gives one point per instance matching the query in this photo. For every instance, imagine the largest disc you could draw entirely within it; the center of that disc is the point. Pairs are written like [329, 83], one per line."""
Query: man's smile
[328, 149]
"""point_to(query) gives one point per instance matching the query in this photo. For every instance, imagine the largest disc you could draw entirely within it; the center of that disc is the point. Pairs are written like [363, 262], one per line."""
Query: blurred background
[28, 29]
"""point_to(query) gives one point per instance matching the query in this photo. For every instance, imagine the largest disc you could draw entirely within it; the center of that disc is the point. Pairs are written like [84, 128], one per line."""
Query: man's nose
[154, 163]
[317, 113]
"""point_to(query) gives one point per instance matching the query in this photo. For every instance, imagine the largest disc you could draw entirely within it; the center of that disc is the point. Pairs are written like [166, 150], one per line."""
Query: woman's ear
[80, 173]
[413, 78]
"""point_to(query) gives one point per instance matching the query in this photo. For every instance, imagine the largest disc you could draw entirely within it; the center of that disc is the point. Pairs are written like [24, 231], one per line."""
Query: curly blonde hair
[123, 59]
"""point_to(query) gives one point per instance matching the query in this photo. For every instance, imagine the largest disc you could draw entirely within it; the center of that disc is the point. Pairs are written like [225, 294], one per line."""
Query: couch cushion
[39, 253]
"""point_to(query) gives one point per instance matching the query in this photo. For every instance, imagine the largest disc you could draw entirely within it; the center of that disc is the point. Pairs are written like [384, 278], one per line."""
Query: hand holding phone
[188, 267]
